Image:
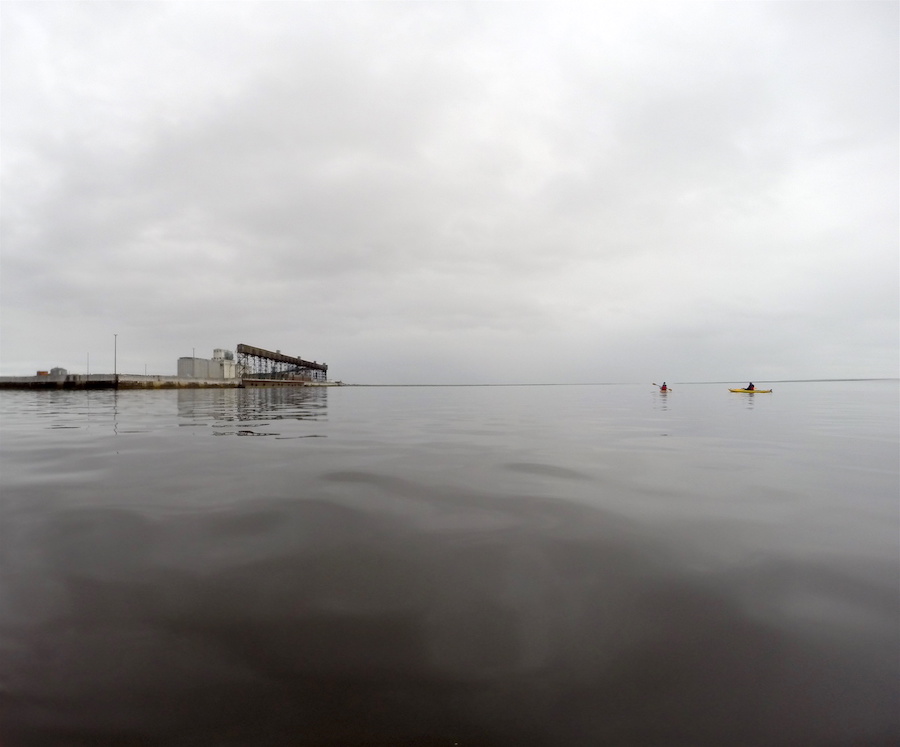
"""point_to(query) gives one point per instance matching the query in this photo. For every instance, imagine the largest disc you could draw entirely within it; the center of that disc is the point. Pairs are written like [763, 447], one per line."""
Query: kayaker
[750, 387]
[664, 388]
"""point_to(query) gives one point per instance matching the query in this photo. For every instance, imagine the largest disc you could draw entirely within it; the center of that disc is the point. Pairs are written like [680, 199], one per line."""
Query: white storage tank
[193, 368]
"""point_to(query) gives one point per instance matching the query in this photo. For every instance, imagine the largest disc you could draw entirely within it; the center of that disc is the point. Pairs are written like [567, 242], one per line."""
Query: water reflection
[661, 401]
[747, 400]
[377, 610]
[405, 583]
[257, 403]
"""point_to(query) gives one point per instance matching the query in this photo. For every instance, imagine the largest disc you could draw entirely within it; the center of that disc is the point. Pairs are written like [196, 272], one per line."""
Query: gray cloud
[440, 192]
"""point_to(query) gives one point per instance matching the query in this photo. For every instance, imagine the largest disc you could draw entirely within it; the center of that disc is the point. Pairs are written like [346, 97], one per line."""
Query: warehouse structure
[255, 366]
[220, 366]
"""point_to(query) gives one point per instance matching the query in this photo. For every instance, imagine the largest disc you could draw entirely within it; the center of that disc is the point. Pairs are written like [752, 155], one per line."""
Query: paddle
[657, 385]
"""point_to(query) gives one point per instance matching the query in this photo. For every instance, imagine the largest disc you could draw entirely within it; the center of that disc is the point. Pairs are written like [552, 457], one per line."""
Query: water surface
[451, 565]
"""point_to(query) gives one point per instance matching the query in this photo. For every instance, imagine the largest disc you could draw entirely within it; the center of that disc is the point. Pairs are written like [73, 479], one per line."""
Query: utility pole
[115, 353]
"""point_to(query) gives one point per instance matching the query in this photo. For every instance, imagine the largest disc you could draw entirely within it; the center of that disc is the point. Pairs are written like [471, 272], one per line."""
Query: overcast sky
[418, 192]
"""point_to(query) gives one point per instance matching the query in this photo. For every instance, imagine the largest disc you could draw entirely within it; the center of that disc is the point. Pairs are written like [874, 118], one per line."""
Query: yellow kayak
[752, 391]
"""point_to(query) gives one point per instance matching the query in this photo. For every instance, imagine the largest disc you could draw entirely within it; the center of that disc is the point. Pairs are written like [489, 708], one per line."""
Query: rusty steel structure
[260, 364]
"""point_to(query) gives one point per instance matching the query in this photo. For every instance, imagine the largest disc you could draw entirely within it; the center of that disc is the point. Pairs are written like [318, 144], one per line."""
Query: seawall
[135, 381]
[112, 381]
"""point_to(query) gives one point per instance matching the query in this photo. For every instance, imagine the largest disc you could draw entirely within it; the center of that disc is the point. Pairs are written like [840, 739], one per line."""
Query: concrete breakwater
[134, 381]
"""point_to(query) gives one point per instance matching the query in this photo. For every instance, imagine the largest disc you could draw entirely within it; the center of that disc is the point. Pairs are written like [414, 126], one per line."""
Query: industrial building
[221, 366]
[254, 366]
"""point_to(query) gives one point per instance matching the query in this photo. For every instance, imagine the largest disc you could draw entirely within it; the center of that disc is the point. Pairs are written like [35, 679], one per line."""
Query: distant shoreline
[134, 381]
[636, 384]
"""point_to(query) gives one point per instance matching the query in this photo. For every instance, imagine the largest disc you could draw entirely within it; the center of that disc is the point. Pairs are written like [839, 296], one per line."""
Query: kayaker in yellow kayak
[750, 387]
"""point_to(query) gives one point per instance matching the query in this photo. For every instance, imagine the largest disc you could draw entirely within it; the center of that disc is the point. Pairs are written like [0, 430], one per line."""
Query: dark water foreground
[440, 567]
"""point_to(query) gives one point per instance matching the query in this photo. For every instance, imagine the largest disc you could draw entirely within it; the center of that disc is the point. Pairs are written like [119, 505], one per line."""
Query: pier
[134, 381]
[260, 365]
[255, 367]
[113, 381]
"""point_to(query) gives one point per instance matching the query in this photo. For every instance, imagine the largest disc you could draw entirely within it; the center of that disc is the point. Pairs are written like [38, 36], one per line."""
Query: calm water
[585, 565]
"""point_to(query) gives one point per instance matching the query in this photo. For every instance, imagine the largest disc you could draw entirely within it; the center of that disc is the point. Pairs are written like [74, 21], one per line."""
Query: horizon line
[632, 383]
